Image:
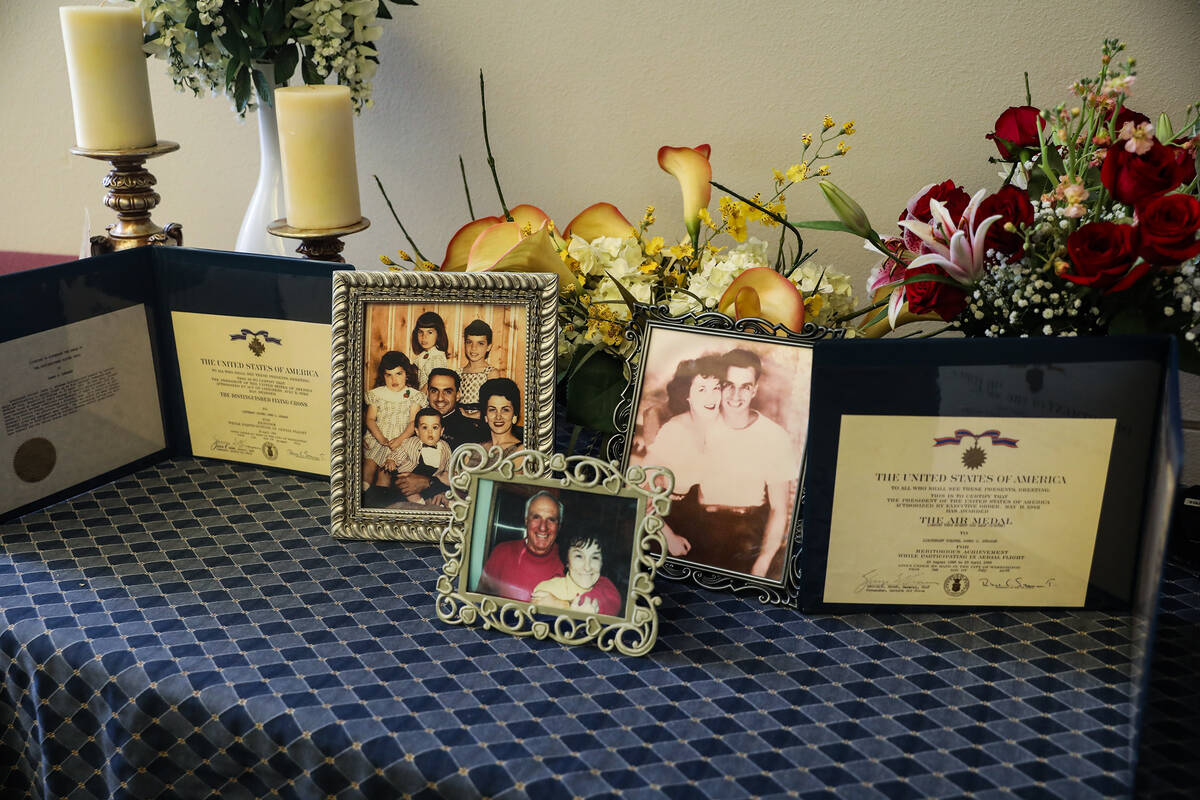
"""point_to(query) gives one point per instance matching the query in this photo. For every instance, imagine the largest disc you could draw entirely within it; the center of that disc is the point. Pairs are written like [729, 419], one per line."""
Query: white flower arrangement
[219, 46]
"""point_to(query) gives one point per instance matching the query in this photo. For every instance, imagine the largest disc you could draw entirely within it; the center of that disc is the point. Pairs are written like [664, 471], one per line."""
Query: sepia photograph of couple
[728, 415]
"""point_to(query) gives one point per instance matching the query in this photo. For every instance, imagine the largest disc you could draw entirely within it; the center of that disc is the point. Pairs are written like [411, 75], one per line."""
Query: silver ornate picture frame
[414, 353]
[723, 404]
[554, 547]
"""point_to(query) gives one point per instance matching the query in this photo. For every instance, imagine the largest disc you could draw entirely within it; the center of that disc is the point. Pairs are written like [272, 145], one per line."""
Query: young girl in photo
[477, 346]
[429, 345]
[392, 407]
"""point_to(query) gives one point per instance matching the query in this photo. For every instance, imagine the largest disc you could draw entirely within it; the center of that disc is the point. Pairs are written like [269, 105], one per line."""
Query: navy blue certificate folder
[1132, 380]
[89, 379]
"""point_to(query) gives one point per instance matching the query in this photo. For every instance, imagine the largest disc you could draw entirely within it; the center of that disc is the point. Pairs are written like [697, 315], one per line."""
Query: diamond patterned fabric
[193, 630]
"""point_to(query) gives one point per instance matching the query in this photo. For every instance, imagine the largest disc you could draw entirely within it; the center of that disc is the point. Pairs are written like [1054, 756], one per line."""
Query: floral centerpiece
[1092, 232]
[218, 46]
[606, 264]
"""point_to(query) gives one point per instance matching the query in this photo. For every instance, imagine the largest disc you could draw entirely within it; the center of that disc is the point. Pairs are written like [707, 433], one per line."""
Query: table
[193, 630]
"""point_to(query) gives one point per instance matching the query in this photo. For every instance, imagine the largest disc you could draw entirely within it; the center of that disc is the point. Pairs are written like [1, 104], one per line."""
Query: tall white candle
[316, 145]
[110, 93]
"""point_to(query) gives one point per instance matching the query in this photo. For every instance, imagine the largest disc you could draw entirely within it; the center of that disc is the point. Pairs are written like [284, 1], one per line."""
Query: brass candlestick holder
[131, 195]
[319, 244]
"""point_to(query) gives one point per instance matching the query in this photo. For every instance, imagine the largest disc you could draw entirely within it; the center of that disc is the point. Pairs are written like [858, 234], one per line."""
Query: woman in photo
[583, 588]
[682, 446]
[501, 402]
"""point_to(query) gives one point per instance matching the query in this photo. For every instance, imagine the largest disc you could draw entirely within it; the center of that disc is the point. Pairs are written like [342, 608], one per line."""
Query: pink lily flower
[956, 247]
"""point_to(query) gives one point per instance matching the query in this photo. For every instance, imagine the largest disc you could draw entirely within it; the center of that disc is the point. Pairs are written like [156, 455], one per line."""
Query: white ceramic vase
[266, 204]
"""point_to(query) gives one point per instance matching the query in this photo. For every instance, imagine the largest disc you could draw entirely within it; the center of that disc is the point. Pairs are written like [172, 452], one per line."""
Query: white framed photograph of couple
[553, 547]
[726, 411]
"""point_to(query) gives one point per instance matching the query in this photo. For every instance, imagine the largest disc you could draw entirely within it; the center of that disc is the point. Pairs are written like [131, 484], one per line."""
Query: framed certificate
[987, 473]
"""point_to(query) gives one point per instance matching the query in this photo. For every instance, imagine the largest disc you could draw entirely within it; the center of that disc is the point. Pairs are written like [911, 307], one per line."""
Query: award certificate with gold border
[256, 390]
[931, 510]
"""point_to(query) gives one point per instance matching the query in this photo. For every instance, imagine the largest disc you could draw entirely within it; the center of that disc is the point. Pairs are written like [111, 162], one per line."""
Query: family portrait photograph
[728, 415]
[437, 375]
[563, 549]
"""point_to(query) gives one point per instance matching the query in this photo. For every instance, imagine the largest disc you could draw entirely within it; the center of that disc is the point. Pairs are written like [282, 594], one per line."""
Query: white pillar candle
[110, 93]
[316, 145]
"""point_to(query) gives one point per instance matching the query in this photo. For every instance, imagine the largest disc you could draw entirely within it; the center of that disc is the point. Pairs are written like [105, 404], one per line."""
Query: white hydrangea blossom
[833, 287]
[619, 258]
[717, 272]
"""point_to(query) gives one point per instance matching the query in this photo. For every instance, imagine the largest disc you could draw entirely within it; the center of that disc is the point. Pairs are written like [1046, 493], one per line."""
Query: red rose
[1167, 227]
[1101, 256]
[1013, 206]
[948, 193]
[1018, 126]
[944, 299]
[1132, 178]
[1126, 115]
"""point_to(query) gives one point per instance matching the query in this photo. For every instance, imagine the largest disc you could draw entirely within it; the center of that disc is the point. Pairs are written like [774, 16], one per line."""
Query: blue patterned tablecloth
[193, 630]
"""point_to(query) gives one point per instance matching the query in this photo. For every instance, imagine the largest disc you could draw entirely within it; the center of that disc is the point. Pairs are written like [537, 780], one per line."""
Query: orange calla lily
[690, 167]
[459, 248]
[762, 292]
[501, 248]
[601, 219]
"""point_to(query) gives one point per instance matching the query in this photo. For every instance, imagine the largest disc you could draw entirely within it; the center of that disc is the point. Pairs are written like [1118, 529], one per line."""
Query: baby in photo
[583, 588]
[424, 454]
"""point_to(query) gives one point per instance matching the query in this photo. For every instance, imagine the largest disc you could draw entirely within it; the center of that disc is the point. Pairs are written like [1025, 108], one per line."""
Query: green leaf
[254, 18]
[630, 300]
[241, 90]
[594, 391]
[1129, 320]
[262, 87]
[231, 71]
[273, 16]
[880, 316]
[285, 64]
[308, 71]
[193, 21]
[232, 41]
[822, 225]
[930, 278]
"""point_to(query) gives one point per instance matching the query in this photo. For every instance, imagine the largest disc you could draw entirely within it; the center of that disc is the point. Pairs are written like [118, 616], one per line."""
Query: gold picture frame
[385, 379]
[612, 517]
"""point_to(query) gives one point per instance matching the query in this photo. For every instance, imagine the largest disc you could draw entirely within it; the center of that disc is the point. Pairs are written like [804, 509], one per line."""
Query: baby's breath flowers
[220, 46]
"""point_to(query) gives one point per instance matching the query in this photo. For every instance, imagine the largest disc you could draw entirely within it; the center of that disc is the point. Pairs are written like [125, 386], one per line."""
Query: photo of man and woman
[435, 376]
[562, 549]
[728, 415]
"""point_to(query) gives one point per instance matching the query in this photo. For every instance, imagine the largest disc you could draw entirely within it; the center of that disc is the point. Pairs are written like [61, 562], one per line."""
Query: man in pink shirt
[515, 567]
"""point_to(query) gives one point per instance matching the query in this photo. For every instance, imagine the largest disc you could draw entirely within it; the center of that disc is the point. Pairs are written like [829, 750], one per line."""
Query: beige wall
[581, 95]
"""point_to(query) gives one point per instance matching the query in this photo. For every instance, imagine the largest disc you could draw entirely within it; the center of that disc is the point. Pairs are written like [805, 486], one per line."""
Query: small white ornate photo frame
[554, 548]
[424, 362]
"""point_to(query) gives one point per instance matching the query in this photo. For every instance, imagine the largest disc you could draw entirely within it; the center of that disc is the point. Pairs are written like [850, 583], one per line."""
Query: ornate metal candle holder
[319, 244]
[131, 195]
